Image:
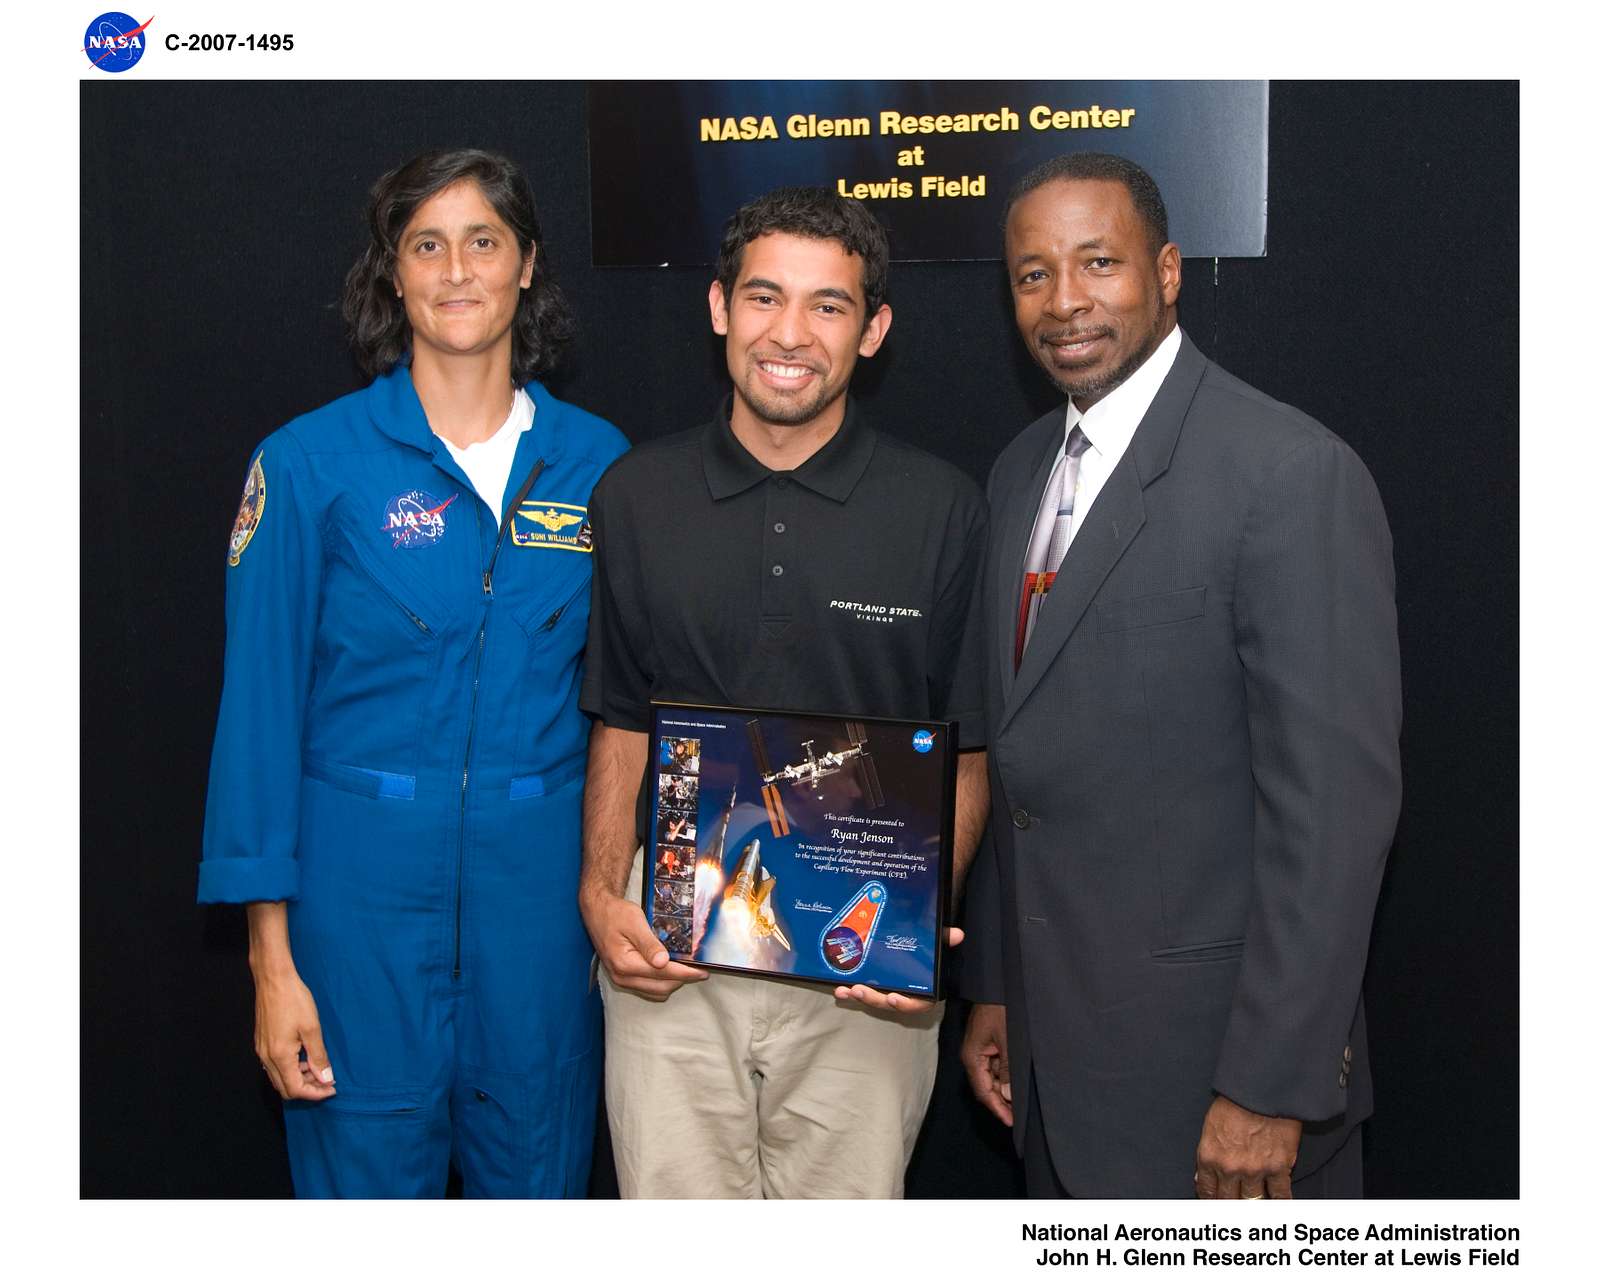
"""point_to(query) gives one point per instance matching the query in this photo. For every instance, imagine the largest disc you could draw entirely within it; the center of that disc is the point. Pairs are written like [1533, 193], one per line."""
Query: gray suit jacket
[1196, 778]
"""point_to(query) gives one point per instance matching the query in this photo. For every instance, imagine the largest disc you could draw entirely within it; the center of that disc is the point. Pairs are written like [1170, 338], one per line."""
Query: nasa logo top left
[115, 42]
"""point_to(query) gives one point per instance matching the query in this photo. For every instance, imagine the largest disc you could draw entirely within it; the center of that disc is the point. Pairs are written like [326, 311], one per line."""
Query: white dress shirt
[1110, 423]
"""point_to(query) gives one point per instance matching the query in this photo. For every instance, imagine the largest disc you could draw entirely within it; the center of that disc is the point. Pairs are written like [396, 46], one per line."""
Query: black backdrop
[217, 223]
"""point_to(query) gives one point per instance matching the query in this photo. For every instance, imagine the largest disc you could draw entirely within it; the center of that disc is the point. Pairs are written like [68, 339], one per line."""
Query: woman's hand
[286, 1023]
[286, 1012]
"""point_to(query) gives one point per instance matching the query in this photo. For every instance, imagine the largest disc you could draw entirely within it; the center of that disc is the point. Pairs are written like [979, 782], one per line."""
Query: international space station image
[813, 769]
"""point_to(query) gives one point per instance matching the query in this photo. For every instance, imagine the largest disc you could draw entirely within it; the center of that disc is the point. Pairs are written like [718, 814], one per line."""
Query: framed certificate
[813, 847]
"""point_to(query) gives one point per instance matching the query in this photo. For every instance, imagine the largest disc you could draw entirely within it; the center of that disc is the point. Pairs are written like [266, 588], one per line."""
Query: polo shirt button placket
[775, 593]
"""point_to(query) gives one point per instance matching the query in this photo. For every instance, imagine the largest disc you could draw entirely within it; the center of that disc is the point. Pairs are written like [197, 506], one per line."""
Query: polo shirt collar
[831, 471]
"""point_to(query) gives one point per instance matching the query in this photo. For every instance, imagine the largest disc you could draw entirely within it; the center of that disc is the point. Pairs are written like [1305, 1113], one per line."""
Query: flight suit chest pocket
[556, 613]
[381, 644]
[551, 732]
[1164, 608]
[396, 595]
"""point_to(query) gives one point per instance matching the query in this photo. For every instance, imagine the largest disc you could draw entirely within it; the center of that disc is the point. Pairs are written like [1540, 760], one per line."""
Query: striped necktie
[1052, 530]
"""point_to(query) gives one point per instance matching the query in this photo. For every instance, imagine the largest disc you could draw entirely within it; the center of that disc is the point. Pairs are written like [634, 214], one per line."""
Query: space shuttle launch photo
[747, 901]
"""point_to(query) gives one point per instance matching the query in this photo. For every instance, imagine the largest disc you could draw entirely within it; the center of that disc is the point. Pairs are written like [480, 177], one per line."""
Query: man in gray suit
[1194, 714]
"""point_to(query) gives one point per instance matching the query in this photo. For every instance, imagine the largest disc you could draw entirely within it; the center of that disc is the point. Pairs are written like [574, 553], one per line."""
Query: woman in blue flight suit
[398, 769]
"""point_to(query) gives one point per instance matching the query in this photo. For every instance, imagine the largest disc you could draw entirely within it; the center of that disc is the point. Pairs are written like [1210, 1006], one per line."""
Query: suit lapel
[1110, 527]
[1011, 542]
[1112, 523]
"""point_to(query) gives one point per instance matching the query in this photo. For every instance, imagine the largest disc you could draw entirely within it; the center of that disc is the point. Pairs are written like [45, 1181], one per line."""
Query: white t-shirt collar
[487, 463]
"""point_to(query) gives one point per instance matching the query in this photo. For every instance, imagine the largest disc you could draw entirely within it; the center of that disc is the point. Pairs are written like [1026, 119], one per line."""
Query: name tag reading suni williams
[562, 525]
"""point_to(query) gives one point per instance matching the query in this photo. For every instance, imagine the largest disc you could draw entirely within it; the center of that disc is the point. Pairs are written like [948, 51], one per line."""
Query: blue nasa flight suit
[400, 754]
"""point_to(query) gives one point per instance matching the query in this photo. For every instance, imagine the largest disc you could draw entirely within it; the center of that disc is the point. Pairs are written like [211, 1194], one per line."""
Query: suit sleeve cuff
[1309, 1096]
[249, 880]
[979, 983]
[970, 730]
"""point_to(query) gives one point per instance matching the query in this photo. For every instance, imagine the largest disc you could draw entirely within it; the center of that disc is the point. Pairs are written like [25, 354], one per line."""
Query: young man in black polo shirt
[784, 555]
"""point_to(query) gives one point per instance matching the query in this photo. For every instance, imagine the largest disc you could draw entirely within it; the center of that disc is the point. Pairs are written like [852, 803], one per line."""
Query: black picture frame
[865, 895]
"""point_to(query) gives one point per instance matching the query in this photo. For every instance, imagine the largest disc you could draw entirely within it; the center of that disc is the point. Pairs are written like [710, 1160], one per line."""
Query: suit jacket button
[1019, 819]
[1347, 1057]
[1344, 1079]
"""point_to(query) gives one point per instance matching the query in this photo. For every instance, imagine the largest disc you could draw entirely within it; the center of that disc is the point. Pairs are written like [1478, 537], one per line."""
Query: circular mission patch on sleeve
[251, 505]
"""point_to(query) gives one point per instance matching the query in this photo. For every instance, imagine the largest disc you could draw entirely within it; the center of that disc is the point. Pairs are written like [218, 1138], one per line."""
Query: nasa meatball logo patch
[251, 506]
[416, 518]
[563, 525]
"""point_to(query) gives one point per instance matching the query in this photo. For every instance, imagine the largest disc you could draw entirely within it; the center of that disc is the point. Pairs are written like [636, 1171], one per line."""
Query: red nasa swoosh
[125, 35]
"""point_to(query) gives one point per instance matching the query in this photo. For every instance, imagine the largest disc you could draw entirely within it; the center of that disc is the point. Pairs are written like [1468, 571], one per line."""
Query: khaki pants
[762, 1088]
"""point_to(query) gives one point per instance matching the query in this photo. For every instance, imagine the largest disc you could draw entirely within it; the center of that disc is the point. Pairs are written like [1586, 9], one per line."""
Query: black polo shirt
[840, 587]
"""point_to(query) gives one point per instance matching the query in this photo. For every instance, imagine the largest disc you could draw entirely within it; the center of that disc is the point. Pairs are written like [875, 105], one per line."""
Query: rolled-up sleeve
[273, 585]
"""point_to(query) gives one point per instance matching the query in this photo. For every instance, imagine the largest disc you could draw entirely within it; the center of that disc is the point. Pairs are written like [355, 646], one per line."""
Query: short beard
[779, 412]
[1100, 385]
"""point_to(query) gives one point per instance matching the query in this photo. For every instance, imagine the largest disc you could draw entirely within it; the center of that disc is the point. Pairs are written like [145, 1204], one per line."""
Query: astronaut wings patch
[564, 525]
[251, 506]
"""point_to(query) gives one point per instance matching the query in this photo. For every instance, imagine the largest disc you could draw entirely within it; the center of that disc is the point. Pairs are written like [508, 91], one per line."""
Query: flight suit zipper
[477, 671]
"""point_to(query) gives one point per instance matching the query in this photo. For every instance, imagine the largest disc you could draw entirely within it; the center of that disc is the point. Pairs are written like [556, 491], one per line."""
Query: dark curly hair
[379, 331]
[816, 213]
[1100, 167]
